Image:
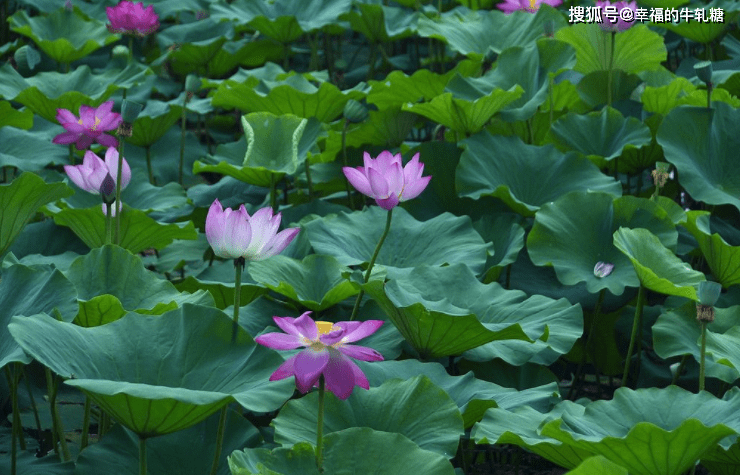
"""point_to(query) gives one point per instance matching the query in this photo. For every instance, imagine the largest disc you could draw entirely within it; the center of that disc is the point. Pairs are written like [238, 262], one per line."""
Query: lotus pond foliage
[369, 236]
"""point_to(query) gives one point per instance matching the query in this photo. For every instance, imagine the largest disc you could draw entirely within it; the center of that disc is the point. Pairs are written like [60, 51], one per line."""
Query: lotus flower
[89, 127]
[327, 352]
[131, 18]
[621, 24]
[90, 175]
[510, 6]
[233, 233]
[386, 179]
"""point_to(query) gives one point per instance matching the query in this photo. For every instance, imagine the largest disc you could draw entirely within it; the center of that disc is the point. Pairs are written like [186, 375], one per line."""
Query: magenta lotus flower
[233, 233]
[386, 179]
[90, 175]
[131, 18]
[531, 6]
[621, 24]
[327, 352]
[89, 127]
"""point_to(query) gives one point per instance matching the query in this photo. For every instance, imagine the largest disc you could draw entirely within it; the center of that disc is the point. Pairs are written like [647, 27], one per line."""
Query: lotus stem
[239, 264]
[85, 424]
[142, 456]
[118, 191]
[595, 316]
[273, 194]
[108, 217]
[372, 263]
[17, 432]
[550, 94]
[710, 88]
[636, 324]
[53, 383]
[703, 355]
[182, 140]
[613, 35]
[130, 54]
[344, 158]
[320, 427]
[33, 404]
[219, 439]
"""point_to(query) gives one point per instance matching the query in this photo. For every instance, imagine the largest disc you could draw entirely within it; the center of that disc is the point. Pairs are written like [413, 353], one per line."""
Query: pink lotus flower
[386, 179]
[531, 6]
[233, 233]
[620, 25]
[327, 352]
[131, 18]
[90, 175]
[89, 127]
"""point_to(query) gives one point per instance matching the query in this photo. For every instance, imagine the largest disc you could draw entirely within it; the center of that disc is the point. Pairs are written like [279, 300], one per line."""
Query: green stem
[33, 404]
[611, 66]
[273, 194]
[550, 94]
[308, 180]
[710, 87]
[85, 424]
[703, 355]
[372, 263]
[16, 430]
[238, 268]
[636, 323]
[320, 427]
[219, 439]
[183, 121]
[130, 52]
[344, 158]
[55, 416]
[148, 149]
[594, 317]
[117, 204]
[142, 456]
[108, 238]
[51, 394]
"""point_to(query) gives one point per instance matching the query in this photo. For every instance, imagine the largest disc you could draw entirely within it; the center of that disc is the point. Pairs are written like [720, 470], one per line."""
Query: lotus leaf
[15, 118]
[722, 258]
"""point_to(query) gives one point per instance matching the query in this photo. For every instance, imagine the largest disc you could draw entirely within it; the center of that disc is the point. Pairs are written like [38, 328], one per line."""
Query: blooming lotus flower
[89, 127]
[621, 24]
[131, 18]
[510, 6]
[90, 175]
[386, 179]
[327, 352]
[233, 233]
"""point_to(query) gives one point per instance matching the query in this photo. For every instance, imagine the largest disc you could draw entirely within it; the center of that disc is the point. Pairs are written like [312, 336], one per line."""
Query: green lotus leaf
[187, 452]
[29, 464]
[662, 99]
[218, 279]
[351, 238]
[722, 258]
[64, 35]
[658, 268]
[193, 45]
[158, 374]
[274, 146]
[29, 150]
[465, 108]
[473, 396]
[153, 122]
[575, 233]
[650, 431]
[355, 451]
[435, 310]
[27, 291]
[138, 231]
[598, 464]
[101, 310]
[525, 177]
[114, 271]
[603, 134]
[416, 408]
[381, 23]
[521, 427]
[9, 116]
[677, 333]
[507, 236]
[701, 144]
[473, 33]
[702, 31]
[19, 202]
[635, 50]
[294, 95]
[723, 461]
[724, 346]
[316, 282]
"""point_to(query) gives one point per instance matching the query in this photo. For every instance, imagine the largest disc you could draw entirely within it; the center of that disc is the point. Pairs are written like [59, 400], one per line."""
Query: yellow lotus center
[326, 327]
[531, 4]
[95, 125]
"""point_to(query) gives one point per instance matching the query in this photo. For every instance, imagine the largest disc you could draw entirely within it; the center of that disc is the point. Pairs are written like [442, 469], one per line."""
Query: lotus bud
[108, 189]
[704, 71]
[119, 56]
[354, 111]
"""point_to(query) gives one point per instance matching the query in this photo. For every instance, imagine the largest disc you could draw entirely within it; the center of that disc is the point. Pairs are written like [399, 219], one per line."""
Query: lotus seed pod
[704, 71]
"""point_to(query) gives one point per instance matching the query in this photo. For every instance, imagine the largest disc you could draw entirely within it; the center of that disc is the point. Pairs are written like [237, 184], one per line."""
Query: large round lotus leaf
[19, 202]
[602, 134]
[465, 107]
[64, 35]
[114, 271]
[658, 269]
[722, 258]
[380, 23]
[15, 118]
[507, 235]
[706, 31]
[193, 44]
[650, 431]
[218, 279]
[724, 347]
[474, 33]
[677, 333]
[575, 233]
[355, 451]
[435, 310]
[158, 374]
[721, 461]
[524, 176]
[316, 282]
[521, 427]
[415, 408]
[598, 464]
[473, 396]
[28, 291]
[635, 50]
[29, 150]
[295, 95]
[153, 122]
[352, 237]
[138, 231]
[701, 144]
[187, 452]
